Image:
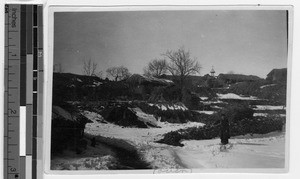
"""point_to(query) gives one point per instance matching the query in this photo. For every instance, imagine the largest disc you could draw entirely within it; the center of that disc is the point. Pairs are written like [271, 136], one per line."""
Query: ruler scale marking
[40, 94]
[6, 94]
[34, 103]
[23, 91]
[13, 166]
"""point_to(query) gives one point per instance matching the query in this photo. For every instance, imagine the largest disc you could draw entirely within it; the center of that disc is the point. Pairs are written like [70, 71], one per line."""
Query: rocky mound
[129, 117]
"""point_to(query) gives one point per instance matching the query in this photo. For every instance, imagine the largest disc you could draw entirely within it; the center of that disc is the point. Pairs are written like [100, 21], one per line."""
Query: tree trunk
[181, 88]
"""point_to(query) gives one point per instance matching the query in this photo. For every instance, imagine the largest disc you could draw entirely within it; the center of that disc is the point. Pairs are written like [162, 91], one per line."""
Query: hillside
[142, 119]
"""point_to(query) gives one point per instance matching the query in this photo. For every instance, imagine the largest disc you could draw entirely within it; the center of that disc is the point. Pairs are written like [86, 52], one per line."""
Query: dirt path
[126, 154]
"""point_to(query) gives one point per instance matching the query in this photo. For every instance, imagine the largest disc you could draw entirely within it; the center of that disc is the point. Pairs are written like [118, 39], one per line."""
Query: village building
[144, 86]
[212, 72]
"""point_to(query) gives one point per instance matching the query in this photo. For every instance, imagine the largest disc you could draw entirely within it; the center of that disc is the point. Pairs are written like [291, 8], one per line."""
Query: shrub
[237, 112]
[172, 93]
[193, 133]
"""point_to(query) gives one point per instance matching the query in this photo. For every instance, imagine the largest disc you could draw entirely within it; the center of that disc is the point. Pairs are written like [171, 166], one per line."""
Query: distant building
[144, 86]
[212, 72]
[277, 76]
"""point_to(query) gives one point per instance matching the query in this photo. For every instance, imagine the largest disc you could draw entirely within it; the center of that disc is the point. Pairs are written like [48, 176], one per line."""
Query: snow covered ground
[235, 96]
[165, 107]
[268, 107]
[203, 98]
[257, 151]
[264, 86]
[213, 102]
[134, 135]
[205, 112]
[266, 114]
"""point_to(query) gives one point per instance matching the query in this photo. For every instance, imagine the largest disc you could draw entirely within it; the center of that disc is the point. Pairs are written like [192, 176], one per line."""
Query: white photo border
[95, 8]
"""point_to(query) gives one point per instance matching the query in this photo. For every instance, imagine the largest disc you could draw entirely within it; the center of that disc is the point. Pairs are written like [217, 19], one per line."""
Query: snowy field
[257, 151]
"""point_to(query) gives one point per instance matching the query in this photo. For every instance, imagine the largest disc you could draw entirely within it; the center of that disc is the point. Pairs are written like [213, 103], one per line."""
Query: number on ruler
[40, 53]
[12, 169]
[12, 111]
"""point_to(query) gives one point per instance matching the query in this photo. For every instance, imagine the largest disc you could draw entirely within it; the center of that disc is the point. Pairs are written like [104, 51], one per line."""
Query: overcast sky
[245, 42]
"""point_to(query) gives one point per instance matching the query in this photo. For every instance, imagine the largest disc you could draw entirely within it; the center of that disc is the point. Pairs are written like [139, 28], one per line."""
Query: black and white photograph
[170, 89]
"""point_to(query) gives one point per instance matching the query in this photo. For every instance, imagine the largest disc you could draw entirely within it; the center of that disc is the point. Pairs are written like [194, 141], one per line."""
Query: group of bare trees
[156, 68]
[180, 64]
[89, 68]
[118, 73]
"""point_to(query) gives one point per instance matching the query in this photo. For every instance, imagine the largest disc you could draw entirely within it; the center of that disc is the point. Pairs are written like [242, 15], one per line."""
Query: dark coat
[224, 132]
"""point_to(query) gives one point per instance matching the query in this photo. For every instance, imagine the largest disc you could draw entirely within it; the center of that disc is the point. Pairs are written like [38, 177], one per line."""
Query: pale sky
[245, 42]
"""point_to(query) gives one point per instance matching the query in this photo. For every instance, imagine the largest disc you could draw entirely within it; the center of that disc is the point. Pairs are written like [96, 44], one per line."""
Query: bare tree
[118, 73]
[89, 68]
[156, 68]
[181, 64]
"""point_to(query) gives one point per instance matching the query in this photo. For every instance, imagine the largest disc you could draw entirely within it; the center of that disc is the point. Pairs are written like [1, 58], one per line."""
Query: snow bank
[206, 112]
[97, 83]
[180, 107]
[235, 96]
[165, 107]
[266, 114]
[146, 118]
[268, 107]
[216, 107]
[213, 102]
[264, 86]
[203, 98]
[95, 117]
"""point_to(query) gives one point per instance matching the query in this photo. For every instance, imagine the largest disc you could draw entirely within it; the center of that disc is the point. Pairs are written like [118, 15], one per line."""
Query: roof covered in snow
[141, 79]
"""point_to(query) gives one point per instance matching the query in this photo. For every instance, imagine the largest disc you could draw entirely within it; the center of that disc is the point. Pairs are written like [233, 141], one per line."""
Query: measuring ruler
[23, 91]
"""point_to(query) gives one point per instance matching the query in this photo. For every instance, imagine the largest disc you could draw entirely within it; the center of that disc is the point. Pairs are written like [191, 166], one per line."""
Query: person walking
[224, 132]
